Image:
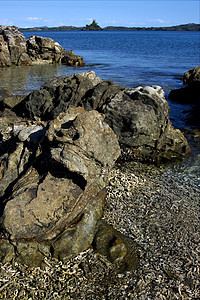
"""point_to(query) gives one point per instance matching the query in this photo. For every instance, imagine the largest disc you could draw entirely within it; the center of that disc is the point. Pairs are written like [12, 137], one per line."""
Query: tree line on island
[95, 27]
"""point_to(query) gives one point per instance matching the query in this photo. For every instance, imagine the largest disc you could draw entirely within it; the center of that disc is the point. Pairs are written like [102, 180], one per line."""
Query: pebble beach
[156, 207]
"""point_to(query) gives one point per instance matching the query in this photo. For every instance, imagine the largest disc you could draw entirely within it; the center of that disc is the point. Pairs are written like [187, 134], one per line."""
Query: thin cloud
[7, 22]
[33, 19]
[160, 21]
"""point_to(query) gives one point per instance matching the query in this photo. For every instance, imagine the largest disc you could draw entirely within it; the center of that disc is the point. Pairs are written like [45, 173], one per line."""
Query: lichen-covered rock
[83, 142]
[140, 118]
[12, 46]
[16, 50]
[55, 197]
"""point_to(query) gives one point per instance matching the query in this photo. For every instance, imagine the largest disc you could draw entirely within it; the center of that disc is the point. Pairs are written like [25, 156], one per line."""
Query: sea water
[129, 58]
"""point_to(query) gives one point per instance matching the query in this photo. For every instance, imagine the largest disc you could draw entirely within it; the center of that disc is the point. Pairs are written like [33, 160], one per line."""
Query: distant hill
[95, 27]
[45, 28]
[185, 27]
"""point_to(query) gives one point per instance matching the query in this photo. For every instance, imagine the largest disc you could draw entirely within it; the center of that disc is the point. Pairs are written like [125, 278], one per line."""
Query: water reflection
[24, 79]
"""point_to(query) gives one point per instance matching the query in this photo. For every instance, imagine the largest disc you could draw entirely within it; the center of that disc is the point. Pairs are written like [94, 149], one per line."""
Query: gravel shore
[156, 207]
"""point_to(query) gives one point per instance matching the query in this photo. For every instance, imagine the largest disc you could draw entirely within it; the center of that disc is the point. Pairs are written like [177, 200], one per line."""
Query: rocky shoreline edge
[78, 202]
[116, 241]
[15, 50]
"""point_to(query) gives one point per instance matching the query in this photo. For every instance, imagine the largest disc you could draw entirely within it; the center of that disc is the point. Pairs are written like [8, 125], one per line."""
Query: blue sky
[79, 13]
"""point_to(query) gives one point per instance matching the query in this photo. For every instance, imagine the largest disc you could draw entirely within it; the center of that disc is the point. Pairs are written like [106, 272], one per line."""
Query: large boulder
[52, 207]
[16, 50]
[139, 116]
[57, 95]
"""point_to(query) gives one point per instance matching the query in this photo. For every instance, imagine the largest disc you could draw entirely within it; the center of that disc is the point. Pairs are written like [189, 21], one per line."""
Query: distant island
[92, 27]
[95, 27]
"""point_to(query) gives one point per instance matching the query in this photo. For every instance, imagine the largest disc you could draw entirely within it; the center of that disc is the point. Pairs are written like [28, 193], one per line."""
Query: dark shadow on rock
[58, 170]
[188, 94]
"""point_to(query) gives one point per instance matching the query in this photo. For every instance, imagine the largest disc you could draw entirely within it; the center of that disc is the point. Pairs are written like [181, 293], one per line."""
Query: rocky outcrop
[54, 163]
[16, 50]
[52, 184]
[139, 117]
[192, 75]
[190, 93]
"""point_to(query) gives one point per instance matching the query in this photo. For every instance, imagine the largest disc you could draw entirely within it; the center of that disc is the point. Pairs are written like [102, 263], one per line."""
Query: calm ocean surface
[129, 58]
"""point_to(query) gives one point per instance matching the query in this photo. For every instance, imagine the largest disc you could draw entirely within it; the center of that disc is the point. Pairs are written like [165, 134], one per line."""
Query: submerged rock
[16, 50]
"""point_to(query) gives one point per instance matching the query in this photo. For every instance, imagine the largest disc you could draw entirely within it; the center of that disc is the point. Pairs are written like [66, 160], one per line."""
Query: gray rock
[57, 96]
[140, 118]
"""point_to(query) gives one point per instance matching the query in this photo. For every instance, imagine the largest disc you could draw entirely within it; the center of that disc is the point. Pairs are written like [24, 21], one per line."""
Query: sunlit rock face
[53, 184]
[16, 50]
